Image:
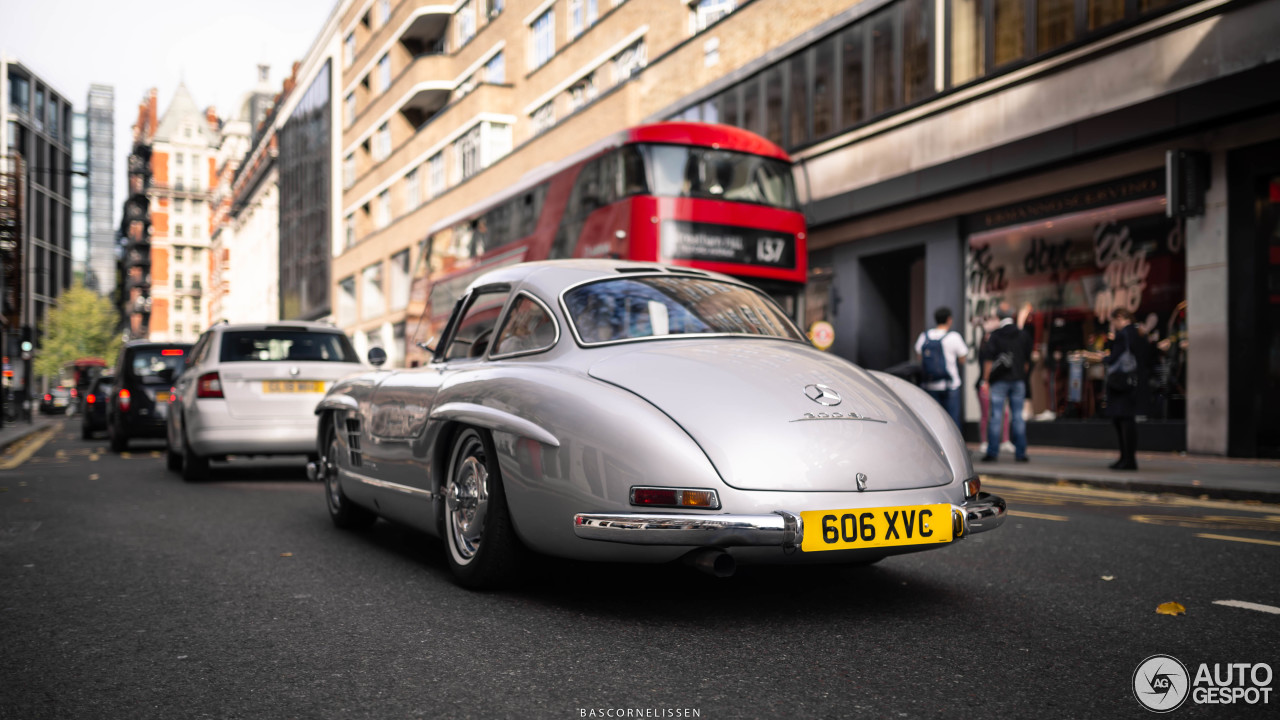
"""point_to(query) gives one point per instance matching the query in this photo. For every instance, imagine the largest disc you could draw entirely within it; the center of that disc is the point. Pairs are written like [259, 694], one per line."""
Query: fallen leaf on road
[93, 476]
[286, 554]
[1171, 608]
[1108, 577]
[26, 500]
[126, 456]
[22, 484]
[93, 457]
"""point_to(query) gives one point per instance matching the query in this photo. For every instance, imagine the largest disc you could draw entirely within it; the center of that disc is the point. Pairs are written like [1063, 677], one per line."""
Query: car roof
[550, 277]
[307, 325]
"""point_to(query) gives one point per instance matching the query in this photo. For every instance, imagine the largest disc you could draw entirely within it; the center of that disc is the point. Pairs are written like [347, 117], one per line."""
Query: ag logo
[1161, 683]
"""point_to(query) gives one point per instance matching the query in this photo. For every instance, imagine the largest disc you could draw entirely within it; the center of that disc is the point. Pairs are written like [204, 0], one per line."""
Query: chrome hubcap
[326, 471]
[467, 500]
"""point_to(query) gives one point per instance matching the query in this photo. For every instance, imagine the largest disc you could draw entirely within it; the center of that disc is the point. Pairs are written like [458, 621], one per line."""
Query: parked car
[56, 401]
[139, 401]
[620, 411]
[252, 390]
[94, 416]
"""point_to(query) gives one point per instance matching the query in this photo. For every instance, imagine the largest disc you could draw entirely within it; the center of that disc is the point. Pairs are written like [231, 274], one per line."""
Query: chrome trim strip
[781, 529]
[374, 482]
[492, 419]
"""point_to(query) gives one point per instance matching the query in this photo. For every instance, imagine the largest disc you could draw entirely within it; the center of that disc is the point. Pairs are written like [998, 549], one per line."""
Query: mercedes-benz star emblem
[822, 394]
[862, 481]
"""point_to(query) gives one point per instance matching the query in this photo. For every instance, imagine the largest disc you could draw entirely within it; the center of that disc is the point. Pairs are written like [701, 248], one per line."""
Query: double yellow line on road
[31, 444]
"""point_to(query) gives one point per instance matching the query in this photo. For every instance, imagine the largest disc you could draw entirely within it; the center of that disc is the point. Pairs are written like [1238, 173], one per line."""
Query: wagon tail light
[125, 399]
[91, 398]
[209, 385]
[675, 497]
[48, 397]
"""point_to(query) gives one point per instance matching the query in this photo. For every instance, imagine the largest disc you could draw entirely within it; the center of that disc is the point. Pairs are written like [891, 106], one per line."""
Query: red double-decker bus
[712, 197]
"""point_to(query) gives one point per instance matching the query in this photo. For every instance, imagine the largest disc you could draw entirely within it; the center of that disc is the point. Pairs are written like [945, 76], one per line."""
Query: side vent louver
[353, 441]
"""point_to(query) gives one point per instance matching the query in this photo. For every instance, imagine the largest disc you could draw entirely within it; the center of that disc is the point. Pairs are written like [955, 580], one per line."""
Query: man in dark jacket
[1127, 384]
[1005, 370]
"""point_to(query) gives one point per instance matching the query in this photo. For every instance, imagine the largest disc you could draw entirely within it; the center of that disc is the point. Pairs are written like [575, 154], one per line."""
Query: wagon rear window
[657, 307]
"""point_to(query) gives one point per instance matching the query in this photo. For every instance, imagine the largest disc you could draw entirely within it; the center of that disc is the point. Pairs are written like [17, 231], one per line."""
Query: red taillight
[209, 385]
[124, 397]
[170, 353]
[48, 397]
[74, 392]
[91, 398]
[675, 497]
[173, 395]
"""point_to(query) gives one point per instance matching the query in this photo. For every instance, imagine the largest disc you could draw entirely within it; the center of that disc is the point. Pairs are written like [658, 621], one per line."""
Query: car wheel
[85, 432]
[344, 513]
[194, 467]
[481, 545]
[119, 443]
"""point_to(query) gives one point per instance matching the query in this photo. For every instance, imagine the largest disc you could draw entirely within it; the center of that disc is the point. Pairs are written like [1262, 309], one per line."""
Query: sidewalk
[11, 433]
[1225, 478]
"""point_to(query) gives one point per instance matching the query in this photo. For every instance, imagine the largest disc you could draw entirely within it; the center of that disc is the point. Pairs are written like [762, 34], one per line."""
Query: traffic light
[27, 345]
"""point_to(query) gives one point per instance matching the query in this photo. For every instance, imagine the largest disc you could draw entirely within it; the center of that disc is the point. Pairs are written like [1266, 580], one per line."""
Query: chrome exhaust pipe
[712, 561]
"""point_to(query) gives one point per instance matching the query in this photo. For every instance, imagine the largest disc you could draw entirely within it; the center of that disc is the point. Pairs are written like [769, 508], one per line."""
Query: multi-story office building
[244, 261]
[36, 122]
[79, 195]
[949, 152]
[100, 269]
[182, 171]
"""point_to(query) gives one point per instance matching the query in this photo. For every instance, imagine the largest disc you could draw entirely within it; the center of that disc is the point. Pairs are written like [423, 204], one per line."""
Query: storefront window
[1011, 26]
[883, 76]
[1055, 23]
[1105, 12]
[1074, 258]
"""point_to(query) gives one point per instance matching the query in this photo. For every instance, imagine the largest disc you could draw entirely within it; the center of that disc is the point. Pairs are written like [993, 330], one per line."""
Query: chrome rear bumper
[780, 529]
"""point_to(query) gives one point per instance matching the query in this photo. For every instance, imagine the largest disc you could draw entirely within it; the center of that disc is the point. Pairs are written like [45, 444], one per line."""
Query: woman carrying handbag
[1127, 386]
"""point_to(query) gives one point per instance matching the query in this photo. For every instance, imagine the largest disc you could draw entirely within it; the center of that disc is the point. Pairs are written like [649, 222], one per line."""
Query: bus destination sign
[728, 244]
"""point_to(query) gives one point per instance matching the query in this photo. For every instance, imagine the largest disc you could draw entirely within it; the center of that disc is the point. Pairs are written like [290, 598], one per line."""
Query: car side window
[475, 330]
[528, 328]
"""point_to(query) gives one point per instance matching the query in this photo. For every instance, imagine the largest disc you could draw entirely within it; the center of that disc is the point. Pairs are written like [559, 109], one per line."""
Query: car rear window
[286, 345]
[158, 364]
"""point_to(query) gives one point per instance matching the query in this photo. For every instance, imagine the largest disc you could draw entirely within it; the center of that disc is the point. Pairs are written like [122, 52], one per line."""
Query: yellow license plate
[293, 386]
[162, 397]
[875, 527]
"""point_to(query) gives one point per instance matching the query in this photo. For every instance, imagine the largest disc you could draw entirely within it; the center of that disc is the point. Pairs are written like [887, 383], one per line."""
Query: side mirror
[377, 356]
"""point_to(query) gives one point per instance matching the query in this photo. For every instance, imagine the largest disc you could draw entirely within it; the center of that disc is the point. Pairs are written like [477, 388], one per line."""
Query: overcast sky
[133, 45]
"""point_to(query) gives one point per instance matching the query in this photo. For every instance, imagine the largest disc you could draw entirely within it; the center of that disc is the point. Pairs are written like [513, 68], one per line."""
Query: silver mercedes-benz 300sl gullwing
[630, 412]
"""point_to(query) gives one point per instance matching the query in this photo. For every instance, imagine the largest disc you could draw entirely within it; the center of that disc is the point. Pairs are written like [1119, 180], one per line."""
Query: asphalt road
[127, 593]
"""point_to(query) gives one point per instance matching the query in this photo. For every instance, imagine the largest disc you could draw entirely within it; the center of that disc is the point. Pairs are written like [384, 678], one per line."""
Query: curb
[1138, 484]
[22, 433]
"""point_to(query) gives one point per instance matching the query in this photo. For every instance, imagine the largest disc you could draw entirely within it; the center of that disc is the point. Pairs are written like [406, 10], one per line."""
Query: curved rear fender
[606, 441]
[934, 417]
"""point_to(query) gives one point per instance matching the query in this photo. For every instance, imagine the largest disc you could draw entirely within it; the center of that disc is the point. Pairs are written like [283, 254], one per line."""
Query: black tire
[194, 467]
[119, 441]
[85, 432]
[480, 542]
[344, 513]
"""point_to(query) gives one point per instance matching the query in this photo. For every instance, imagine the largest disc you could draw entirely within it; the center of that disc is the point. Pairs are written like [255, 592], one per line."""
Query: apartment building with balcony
[442, 106]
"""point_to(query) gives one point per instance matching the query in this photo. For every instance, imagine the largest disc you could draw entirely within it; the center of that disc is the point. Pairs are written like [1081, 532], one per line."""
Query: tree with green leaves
[83, 324]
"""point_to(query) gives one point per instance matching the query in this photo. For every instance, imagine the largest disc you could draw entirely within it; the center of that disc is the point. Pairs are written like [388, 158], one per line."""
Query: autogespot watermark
[643, 712]
[1162, 684]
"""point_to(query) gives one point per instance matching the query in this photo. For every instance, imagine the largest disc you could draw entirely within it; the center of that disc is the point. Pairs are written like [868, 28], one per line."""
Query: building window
[824, 91]
[466, 22]
[177, 253]
[412, 190]
[347, 301]
[495, 71]
[349, 109]
[195, 329]
[195, 281]
[798, 120]
[349, 50]
[372, 302]
[177, 230]
[382, 143]
[467, 153]
[177, 330]
[38, 114]
[1104, 12]
[177, 281]
[195, 252]
[1010, 30]
[350, 231]
[629, 61]
[917, 50]
[437, 177]
[495, 8]
[179, 205]
[180, 159]
[384, 73]
[195, 307]
[582, 92]
[968, 46]
[400, 280]
[544, 38]
[704, 13]
[19, 93]
[384, 12]
[348, 171]
[177, 304]
[544, 118]
[195, 232]
[582, 15]
[382, 210]
[773, 105]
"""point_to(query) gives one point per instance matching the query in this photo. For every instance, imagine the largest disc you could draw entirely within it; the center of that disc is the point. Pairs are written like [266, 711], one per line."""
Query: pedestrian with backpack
[940, 350]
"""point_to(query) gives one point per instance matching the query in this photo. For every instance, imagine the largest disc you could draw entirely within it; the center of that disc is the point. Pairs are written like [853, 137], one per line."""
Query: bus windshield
[698, 172]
